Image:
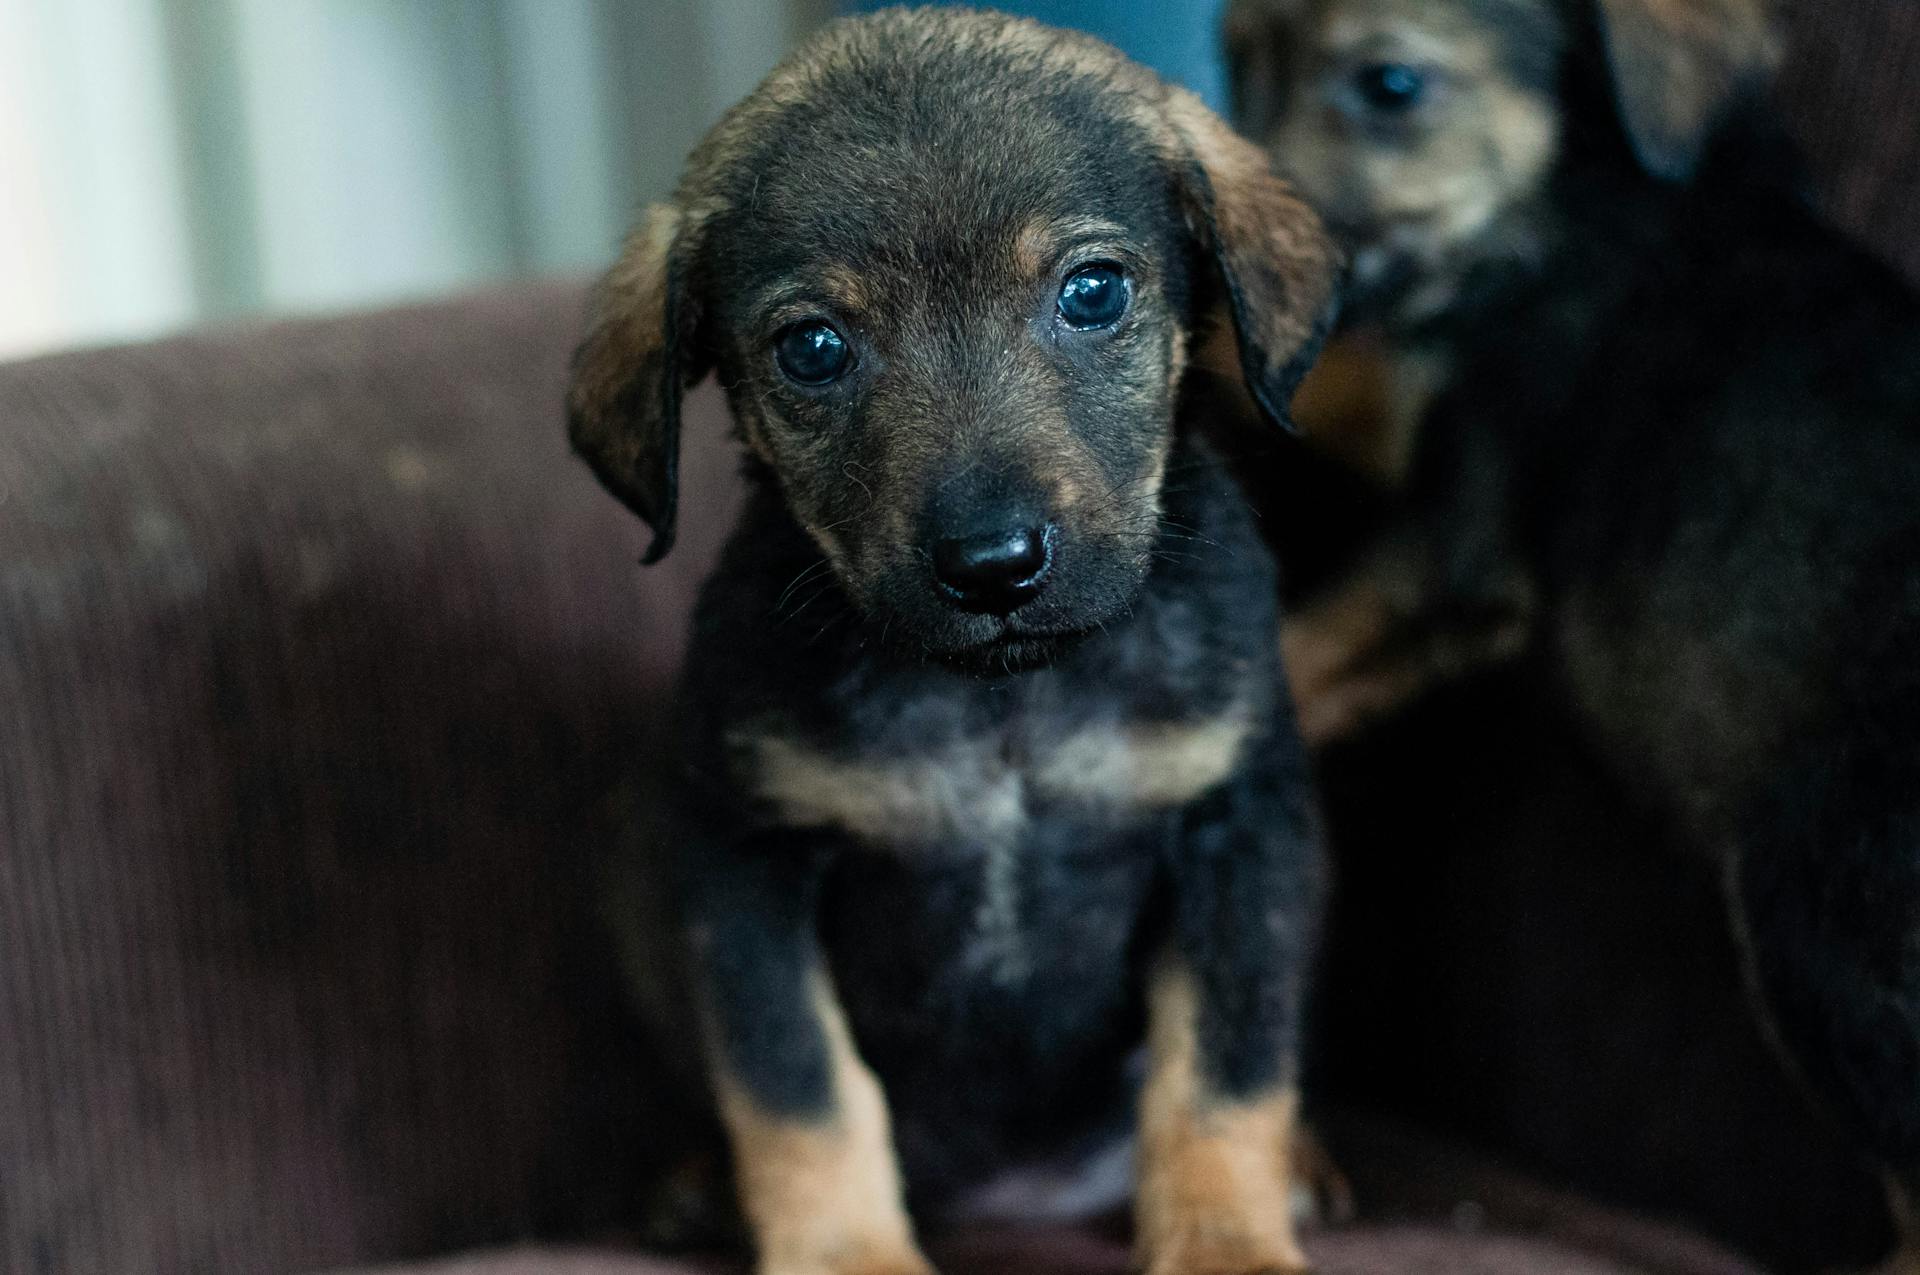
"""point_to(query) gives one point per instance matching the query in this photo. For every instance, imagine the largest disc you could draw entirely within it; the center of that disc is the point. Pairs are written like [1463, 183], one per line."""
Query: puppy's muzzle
[996, 568]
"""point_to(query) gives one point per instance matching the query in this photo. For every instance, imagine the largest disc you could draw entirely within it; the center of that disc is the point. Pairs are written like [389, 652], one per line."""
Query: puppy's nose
[995, 571]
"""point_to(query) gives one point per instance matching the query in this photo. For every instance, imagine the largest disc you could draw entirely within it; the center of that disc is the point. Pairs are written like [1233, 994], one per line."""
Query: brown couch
[316, 653]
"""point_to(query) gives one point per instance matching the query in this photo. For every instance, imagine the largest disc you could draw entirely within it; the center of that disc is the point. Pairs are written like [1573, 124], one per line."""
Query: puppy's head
[948, 266]
[1426, 129]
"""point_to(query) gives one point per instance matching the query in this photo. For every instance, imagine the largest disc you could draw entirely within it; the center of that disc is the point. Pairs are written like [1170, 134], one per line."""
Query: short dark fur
[979, 837]
[1678, 449]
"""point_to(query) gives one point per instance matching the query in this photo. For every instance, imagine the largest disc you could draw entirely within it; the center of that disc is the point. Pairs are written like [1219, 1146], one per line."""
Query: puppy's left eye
[812, 354]
[1093, 297]
[1390, 88]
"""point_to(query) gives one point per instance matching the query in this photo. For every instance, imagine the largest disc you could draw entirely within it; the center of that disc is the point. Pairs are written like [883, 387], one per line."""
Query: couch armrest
[315, 645]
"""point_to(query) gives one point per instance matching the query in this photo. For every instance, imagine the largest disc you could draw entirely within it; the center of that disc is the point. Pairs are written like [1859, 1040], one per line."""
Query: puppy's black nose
[994, 571]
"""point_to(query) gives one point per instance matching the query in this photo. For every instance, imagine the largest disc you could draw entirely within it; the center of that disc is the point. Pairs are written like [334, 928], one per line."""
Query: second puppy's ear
[1276, 262]
[1678, 66]
[640, 354]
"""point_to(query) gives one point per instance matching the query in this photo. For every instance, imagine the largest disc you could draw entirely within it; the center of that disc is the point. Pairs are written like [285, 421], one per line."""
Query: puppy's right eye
[1390, 88]
[1093, 297]
[812, 353]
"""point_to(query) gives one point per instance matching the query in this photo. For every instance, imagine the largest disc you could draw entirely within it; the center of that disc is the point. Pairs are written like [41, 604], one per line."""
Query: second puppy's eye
[1391, 88]
[1093, 297]
[812, 353]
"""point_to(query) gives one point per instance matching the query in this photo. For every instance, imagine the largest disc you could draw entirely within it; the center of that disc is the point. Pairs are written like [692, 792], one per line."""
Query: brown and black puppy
[988, 773]
[1668, 443]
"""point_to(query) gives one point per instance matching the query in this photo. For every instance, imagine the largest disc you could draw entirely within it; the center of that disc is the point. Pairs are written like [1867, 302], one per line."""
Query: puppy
[987, 768]
[1669, 444]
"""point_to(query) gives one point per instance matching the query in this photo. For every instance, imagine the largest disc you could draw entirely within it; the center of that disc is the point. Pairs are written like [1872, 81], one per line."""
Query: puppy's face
[948, 266]
[960, 357]
[1426, 130]
[1416, 126]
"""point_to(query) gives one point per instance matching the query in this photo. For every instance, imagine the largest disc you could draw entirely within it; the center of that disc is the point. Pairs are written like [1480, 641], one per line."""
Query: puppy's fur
[1670, 443]
[940, 868]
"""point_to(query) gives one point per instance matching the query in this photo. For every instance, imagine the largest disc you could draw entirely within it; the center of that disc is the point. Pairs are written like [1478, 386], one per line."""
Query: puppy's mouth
[1388, 261]
[1412, 271]
[989, 646]
[1014, 649]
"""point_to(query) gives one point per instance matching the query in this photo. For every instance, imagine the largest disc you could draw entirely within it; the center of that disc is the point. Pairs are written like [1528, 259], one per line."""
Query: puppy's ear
[1276, 263]
[623, 407]
[1678, 66]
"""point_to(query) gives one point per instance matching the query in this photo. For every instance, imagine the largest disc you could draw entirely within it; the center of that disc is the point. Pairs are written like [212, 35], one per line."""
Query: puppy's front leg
[1217, 1113]
[812, 1143]
[1392, 631]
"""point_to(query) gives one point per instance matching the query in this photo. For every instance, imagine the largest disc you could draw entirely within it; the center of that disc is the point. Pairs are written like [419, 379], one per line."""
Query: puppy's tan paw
[902, 1266]
[1211, 1261]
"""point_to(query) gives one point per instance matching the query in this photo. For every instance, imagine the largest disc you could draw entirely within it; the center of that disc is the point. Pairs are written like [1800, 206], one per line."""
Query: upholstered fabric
[316, 648]
[1384, 1250]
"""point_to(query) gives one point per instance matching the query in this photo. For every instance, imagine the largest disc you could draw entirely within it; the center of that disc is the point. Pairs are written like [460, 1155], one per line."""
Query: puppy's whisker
[832, 620]
[1116, 495]
[806, 573]
[854, 478]
[1180, 531]
[810, 599]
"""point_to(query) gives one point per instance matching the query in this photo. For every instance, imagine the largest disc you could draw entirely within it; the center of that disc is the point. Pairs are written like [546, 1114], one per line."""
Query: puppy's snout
[996, 570]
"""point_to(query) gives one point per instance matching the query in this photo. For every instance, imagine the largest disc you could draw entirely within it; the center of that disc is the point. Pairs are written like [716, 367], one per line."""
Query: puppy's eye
[812, 353]
[1093, 297]
[1390, 88]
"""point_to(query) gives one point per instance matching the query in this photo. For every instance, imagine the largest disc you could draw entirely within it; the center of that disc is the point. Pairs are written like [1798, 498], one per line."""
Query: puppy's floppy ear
[1276, 262]
[623, 407]
[1678, 66]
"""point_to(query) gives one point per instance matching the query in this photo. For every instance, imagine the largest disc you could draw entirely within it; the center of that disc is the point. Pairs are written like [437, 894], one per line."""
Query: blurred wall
[168, 161]
[1178, 38]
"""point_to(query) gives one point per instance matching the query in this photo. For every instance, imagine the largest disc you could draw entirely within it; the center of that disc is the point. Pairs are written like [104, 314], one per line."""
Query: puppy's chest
[923, 777]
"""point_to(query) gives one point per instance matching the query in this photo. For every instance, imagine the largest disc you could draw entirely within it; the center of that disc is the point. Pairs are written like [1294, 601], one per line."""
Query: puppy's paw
[1215, 1259]
[1342, 666]
[908, 1265]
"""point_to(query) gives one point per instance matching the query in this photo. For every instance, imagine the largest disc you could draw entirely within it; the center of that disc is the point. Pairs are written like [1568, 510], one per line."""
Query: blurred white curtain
[168, 161]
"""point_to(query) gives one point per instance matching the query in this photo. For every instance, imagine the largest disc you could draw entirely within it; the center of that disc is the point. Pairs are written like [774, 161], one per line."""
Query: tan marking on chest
[974, 791]
[1149, 765]
[960, 793]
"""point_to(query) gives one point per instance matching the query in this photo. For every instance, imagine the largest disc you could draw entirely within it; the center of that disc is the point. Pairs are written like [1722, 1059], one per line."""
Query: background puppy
[988, 768]
[1669, 441]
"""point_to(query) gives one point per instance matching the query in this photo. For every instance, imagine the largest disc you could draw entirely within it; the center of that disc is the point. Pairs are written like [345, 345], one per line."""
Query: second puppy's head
[949, 266]
[1427, 130]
